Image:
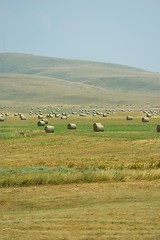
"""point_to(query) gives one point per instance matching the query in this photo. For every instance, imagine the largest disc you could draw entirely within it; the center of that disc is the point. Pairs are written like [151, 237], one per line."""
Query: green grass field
[80, 184]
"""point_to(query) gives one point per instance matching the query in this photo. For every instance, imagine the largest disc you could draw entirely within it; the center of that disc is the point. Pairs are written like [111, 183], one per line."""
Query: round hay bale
[158, 128]
[148, 115]
[71, 126]
[1, 119]
[82, 114]
[64, 114]
[40, 116]
[41, 123]
[31, 113]
[57, 115]
[49, 115]
[22, 117]
[63, 117]
[49, 129]
[45, 120]
[104, 114]
[98, 127]
[145, 119]
[129, 118]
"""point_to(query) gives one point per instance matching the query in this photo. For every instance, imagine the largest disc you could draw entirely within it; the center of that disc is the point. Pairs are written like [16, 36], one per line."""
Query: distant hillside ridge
[45, 79]
[19, 62]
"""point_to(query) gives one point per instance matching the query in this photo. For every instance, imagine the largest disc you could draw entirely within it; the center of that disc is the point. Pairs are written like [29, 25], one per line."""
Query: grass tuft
[63, 175]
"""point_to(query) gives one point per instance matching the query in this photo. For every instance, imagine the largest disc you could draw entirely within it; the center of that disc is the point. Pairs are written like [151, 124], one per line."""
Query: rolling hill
[42, 80]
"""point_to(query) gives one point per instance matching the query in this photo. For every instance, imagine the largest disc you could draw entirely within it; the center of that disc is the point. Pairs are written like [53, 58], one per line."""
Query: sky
[123, 32]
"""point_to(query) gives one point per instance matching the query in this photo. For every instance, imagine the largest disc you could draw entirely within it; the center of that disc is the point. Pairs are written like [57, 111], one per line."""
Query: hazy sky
[114, 31]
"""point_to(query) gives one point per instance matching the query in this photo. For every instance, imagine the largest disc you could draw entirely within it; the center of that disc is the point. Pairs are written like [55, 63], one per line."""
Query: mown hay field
[97, 211]
[80, 184]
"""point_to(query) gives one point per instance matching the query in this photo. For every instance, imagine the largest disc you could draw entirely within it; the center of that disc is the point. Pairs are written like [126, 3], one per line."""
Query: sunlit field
[77, 183]
[126, 149]
[117, 210]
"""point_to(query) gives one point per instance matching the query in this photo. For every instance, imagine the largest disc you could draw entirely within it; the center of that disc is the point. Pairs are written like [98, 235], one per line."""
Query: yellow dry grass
[96, 211]
[80, 151]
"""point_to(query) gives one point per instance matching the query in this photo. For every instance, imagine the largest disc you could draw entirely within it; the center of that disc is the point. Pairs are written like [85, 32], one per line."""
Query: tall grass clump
[64, 175]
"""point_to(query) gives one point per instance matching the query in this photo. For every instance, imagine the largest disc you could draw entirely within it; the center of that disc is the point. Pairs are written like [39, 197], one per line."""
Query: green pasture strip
[63, 175]
[32, 169]
[18, 132]
[117, 130]
[115, 126]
